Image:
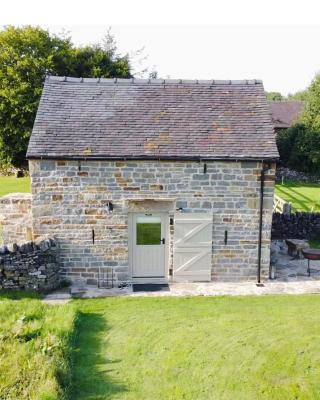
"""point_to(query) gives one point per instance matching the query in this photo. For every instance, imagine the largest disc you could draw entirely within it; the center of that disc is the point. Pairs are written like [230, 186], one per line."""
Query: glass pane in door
[148, 230]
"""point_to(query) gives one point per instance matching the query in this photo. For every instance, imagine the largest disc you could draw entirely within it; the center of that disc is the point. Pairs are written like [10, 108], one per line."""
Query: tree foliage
[285, 142]
[301, 95]
[27, 54]
[311, 114]
[274, 96]
[299, 148]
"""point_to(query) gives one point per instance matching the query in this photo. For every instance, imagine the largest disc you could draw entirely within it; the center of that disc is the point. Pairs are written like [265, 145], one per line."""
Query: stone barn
[160, 180]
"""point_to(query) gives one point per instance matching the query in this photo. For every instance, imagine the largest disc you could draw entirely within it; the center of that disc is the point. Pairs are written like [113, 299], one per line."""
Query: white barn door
[192, 247]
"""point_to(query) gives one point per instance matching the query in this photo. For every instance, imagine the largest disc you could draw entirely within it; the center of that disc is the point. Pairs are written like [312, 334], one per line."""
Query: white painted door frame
[132, 246]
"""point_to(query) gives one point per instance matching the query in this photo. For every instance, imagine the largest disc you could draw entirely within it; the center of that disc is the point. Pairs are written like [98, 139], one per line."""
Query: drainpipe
[262, 178]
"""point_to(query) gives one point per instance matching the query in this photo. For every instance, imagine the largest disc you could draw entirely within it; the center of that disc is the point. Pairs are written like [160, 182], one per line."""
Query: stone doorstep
[77, 291]
[92, 291]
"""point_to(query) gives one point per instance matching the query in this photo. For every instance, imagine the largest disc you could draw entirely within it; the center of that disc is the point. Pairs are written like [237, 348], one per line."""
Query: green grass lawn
[198, 348]
[12, 185]
[34, 348]
[223, 348]
[302, 196]
[314, 243]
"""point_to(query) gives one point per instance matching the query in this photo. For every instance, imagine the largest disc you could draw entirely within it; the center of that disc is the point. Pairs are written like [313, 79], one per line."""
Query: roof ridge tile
[135, 81]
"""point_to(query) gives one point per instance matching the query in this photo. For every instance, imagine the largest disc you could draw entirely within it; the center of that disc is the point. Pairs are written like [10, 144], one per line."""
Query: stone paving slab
[292, 269]
[58, 297]
[93, 291]
[197, 289]
[236, 289]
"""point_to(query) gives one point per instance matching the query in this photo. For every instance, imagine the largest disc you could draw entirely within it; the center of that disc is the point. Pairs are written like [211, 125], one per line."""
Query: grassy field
[223, 348]
[314, 244]
[34, 348]
[303, 196]
[13, 185]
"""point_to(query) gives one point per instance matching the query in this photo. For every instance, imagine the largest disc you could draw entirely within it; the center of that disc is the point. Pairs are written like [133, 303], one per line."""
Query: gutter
[146, 158]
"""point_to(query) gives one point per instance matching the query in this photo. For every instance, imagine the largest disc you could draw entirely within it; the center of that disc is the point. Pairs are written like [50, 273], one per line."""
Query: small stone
[13, 247]
[4, 250]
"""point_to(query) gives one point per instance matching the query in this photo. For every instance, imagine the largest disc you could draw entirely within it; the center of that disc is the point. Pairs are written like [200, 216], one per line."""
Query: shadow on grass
[308, 199]
[293, 199]
[18, 294]
[90, 366]
[291, 184]
[304, 201]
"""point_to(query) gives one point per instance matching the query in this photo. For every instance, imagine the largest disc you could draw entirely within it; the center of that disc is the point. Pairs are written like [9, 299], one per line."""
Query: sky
[273, 40]
[285, 58]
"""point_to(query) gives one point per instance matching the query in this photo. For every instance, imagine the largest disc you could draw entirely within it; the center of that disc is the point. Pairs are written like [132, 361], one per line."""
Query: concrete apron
[191, 289]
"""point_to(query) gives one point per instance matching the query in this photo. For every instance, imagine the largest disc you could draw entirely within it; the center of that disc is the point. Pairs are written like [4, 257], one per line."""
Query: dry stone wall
[300, 225]
[70, 202]
[31, 265]
[286, 174]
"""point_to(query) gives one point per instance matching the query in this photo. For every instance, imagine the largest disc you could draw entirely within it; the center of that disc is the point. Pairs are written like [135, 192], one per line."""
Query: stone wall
[31, 265]
[287, 174]
[16, 217]
[70, 200]
[300, 225]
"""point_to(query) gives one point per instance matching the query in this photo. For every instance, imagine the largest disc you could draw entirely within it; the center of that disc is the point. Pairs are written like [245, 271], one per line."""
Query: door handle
[163, 241]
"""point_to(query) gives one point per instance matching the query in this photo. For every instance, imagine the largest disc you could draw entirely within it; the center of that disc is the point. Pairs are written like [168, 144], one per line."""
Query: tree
[311, 114]
[299, 148]
[301, 95]
[274, 96]
[305, 155]
[94, 61]
[286, 139]
[27, 54]
[100, 60]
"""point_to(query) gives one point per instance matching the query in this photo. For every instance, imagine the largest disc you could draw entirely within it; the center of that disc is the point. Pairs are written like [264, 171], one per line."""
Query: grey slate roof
[152, 119]
[286, 113]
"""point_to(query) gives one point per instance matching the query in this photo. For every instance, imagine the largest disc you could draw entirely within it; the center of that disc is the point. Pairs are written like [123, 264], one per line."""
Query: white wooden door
[149, 242]
[192, 247]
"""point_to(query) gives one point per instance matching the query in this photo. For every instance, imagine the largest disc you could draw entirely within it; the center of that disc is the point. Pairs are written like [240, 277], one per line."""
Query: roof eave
[150, 158]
